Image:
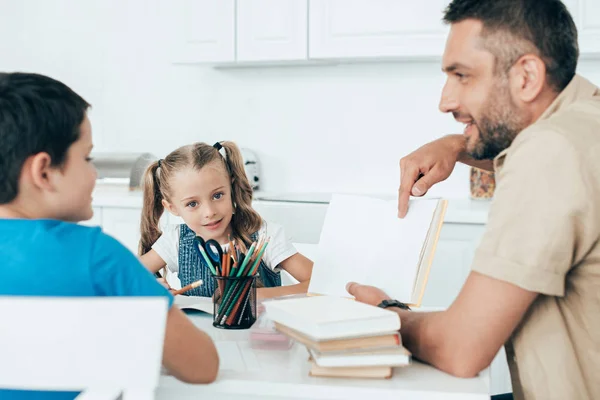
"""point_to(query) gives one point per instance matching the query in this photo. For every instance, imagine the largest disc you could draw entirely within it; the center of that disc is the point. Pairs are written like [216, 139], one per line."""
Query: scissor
[211, 251]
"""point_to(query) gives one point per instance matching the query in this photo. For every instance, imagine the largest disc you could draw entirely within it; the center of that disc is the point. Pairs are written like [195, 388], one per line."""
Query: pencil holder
[234, 302]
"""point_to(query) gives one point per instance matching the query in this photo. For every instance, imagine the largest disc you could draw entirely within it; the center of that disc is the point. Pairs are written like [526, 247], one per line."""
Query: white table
[251, 374]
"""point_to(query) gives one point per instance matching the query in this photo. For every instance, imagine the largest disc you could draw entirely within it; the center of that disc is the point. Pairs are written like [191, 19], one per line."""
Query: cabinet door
[376, 28]
[205, 30]
[272, 30]
[450, 268]
[124, 225]
[302, 222]
[451, 263]
[589, 27]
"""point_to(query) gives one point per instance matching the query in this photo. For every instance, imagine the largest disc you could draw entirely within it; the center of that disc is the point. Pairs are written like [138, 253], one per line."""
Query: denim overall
[192, 267]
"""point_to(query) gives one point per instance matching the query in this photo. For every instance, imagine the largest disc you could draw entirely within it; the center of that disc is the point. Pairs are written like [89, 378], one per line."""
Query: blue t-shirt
[55, 258]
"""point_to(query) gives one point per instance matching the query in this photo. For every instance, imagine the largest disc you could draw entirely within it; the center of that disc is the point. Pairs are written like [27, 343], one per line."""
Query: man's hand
[426, 166]
[366, 294]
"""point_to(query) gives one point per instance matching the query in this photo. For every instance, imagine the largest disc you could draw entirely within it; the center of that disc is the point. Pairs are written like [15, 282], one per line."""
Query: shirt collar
[578, 88]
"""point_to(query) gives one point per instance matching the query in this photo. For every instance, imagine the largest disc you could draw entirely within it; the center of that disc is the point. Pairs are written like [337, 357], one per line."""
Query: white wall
[333, 128]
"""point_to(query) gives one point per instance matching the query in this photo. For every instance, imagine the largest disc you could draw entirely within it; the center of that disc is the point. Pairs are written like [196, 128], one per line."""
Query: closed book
[386, 340]
[370, 372]
[374, 358]
[327, 317]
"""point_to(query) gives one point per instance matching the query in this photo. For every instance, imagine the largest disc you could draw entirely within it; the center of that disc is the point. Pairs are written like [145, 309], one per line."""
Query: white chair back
[100, 345]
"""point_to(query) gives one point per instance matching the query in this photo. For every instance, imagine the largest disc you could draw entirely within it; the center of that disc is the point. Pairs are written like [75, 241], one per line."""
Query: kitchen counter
[116, 196]
[460, 210]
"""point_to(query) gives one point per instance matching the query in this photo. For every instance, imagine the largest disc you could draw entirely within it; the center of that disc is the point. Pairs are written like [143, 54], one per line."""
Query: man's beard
[500, 123]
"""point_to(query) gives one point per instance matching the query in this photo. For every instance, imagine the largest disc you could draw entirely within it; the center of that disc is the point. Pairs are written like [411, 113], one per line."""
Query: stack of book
[344, 338]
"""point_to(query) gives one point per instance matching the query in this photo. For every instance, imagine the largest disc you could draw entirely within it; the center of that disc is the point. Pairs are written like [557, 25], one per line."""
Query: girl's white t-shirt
[279, 249]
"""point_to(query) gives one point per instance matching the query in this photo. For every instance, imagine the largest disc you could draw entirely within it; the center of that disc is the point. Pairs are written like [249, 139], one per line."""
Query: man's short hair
[512, 28]
[37, 114]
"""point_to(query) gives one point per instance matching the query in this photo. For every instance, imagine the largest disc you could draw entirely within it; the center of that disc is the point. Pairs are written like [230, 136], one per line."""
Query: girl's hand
[164, 282]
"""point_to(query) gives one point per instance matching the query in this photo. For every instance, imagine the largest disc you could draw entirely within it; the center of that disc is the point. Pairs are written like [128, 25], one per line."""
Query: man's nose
[448, 101]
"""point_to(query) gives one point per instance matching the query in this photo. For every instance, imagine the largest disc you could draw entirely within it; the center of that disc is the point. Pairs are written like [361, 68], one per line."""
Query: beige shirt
[543, 235]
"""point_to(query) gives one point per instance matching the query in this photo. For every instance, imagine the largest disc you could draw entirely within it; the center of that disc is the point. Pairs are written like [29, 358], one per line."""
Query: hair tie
[160, 162]
[219, 147]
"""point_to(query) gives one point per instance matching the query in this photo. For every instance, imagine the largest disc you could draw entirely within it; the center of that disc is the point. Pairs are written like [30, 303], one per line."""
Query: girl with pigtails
[208, 188]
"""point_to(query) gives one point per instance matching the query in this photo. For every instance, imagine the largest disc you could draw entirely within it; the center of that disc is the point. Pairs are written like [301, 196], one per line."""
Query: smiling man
[535, 280]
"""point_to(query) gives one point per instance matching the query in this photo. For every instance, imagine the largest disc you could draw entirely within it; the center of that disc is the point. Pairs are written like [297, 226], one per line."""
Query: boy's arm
[464, 339]
[189, 354]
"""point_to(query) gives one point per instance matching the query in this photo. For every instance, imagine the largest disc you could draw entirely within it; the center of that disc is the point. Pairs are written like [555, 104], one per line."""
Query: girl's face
[203, 200]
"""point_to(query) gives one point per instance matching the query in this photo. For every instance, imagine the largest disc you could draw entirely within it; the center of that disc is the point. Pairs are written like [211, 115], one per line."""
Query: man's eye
[192, 204]
[218, 196]
[461, 77]
[89, 159]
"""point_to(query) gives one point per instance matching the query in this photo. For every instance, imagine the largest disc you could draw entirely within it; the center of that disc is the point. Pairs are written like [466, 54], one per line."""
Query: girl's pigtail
[245, 220]
[152, 209]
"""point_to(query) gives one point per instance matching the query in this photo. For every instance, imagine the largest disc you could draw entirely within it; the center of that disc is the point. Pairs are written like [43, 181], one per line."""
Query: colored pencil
[188, 287]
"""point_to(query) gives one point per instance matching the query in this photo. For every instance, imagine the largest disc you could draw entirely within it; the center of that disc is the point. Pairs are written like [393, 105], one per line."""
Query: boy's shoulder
[48, 226]
[67, 230]
[55, 233]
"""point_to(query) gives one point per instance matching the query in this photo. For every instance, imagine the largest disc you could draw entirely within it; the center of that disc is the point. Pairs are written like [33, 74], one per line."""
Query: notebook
[375, 358]
[352, 372]
[326, 317]
[195, 303]
[364, 241]
[389, 340]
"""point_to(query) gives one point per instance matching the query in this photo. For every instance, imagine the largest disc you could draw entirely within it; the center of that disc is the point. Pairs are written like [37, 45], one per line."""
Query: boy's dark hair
[546, 25]
[37, 114]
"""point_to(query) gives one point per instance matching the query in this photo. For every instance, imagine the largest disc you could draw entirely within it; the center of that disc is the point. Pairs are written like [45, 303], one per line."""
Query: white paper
[68, 343]
[364, 241]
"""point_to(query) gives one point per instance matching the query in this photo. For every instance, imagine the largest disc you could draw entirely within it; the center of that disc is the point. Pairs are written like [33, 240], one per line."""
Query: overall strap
[191, 266]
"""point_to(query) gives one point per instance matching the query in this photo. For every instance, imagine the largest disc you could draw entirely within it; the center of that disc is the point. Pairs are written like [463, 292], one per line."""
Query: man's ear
[169, 207]
[528, 77]
[40, 171]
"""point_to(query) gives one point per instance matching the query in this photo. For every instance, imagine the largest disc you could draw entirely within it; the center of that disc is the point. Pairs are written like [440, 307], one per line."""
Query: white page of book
[194, 303]
[364, 241]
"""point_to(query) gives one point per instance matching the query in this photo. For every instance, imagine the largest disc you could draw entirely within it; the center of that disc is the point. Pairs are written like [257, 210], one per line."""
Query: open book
[364, 241]
[194, 303]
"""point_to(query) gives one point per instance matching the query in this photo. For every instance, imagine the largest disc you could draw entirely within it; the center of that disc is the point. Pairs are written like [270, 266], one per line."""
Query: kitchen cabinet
[302, 221]
[452, 262]
[124, 225]
[376, 28]
[586, 14]
[204, 31]
[226, 31]
[271, 30]
[589, 27]
[230, 32]
[449, 270]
